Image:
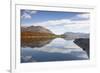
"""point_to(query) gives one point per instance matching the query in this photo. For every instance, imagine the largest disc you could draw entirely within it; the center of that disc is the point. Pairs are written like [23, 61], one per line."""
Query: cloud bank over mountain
[57, 22]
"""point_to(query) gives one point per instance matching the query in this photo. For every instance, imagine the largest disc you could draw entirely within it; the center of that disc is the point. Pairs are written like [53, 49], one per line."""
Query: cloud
[84, 16]
[80, 23]
[63, 22]
[27, 14]
[33, 12]
[70, 25]
[53, 22]
[78, 28]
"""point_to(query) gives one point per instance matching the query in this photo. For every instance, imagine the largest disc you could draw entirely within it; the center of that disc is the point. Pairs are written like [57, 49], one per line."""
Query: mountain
[72, 35]
[37, 42]
[35, 31]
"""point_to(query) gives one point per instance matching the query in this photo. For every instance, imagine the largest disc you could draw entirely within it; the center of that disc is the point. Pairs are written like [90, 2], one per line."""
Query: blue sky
[57, 22]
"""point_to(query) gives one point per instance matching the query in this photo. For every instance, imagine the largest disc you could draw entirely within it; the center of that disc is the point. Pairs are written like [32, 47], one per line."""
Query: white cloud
[53, 22]
[83, 15]
[77, 28]
[26, 16]
[63, 22]
[69, 24]
[30, 11]
[33, 12]
[78, 24]
[66, 25]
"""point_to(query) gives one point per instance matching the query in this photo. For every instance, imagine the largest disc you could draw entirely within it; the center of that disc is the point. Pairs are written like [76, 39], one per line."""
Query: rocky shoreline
[84, 44]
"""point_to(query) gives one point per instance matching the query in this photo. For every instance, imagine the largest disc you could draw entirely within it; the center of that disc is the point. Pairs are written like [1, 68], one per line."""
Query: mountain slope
[35, 31]
[75, 35]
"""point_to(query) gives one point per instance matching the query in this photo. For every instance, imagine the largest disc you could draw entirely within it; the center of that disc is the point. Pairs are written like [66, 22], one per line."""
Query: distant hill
[35, 31]
[72, 35]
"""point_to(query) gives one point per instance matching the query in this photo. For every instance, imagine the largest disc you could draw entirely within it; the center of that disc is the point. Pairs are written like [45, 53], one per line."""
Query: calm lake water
[44, 50]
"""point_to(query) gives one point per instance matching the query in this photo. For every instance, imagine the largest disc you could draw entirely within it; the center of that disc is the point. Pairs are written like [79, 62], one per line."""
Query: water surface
[57, 49]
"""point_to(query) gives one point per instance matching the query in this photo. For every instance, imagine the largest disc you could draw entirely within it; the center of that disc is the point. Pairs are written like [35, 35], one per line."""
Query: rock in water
[83, 43]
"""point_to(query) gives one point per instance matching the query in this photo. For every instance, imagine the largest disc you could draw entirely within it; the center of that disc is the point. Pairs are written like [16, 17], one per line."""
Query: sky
[57, 22]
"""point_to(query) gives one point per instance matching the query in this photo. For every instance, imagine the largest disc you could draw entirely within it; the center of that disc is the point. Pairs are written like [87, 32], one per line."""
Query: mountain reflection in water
[35, 42]
[50, 49]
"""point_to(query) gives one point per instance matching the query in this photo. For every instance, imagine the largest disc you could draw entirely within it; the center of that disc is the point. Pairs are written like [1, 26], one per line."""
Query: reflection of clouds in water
[58, 49]
[73, 51]
[34, 55]
[78, 52]
[27, 59]
[81, 54]
[62, 43]
[59, 45]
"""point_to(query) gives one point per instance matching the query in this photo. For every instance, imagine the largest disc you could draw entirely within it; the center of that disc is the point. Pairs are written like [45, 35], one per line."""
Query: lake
[56, 49]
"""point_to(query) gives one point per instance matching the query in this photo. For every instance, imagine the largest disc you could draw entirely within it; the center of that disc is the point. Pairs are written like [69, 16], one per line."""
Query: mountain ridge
[73, 35]
[35, 29]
